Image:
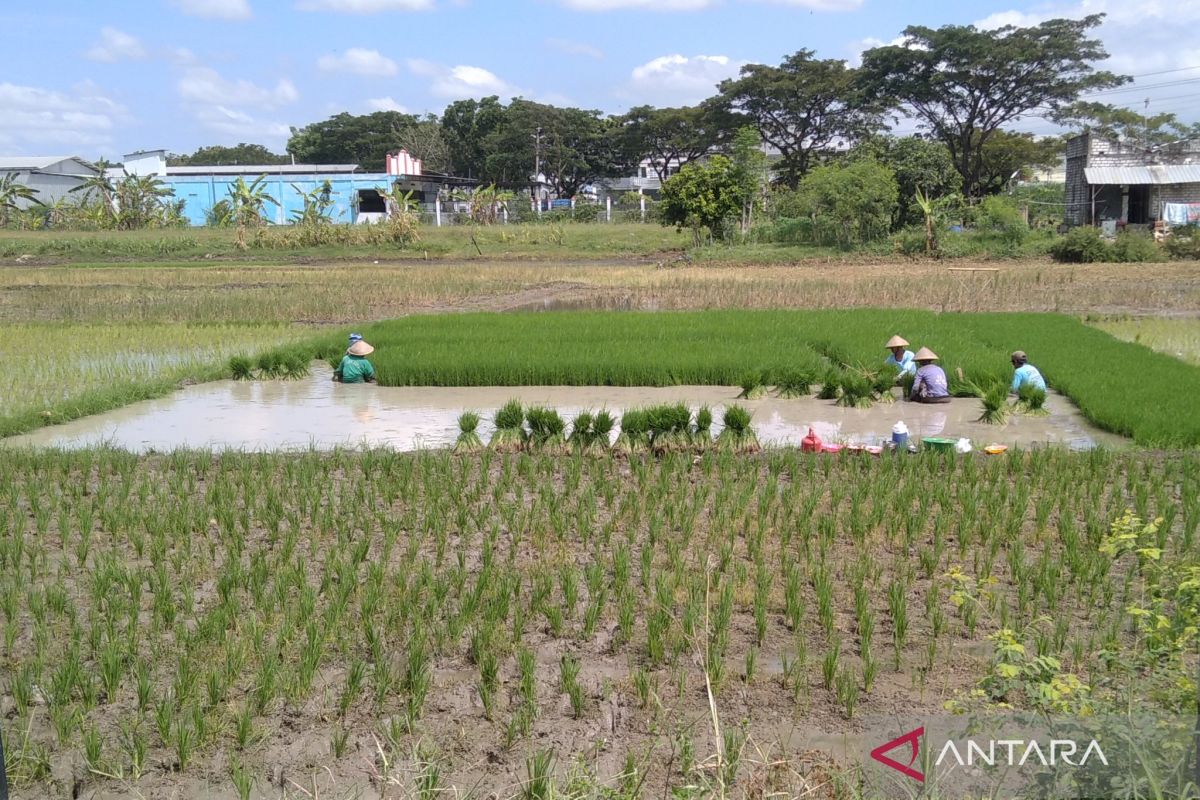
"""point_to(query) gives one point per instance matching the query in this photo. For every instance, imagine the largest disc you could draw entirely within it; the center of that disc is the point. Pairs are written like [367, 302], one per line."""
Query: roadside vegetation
[441, 619]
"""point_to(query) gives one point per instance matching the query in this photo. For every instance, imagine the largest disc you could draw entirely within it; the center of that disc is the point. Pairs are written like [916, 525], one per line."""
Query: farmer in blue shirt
[900, 358]
[1025, 374]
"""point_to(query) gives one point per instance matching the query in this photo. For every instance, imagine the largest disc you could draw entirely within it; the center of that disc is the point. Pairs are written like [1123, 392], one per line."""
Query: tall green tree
[749, 171]
[803, 107]
[1008, 155]
[919, 165]
[1126, 124]
[669, 137]
[702, 196]
[850, 203]
[466, 124]
[348, 139]
[572, 146]
[963, 84]
[425, 140]
[221, 155]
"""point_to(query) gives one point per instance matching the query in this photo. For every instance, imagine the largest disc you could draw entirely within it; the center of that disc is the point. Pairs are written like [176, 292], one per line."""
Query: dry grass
[232, 292]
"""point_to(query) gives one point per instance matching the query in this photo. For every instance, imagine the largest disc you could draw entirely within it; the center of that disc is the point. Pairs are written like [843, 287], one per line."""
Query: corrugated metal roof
[1153, 174]
[30, 162]
[268, 169]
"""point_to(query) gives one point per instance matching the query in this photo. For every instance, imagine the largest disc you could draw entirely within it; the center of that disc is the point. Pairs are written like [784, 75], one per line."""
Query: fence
[610, 210]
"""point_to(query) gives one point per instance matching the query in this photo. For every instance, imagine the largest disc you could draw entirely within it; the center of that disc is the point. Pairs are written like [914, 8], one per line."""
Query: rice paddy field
[556, 621]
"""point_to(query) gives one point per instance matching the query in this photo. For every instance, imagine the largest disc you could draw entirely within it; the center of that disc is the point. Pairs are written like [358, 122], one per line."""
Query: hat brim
[895, 341]
[360, 348]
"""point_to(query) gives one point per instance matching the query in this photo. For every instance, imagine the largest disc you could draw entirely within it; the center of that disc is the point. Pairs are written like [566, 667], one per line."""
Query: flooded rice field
[318, 413]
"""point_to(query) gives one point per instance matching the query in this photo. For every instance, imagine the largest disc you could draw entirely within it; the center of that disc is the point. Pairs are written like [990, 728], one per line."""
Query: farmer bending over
[930, 385]
[1025, 374]
[900, 358]
[354, 367]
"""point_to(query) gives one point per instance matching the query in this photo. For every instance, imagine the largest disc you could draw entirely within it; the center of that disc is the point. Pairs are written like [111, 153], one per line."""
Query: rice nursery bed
[398, 625]
[782, 347]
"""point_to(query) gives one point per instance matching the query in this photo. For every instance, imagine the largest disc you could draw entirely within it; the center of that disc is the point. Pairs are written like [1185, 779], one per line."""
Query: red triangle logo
[913, 740]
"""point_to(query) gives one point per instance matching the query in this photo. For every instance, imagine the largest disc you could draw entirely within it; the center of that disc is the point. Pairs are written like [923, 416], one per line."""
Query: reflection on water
[315, 412]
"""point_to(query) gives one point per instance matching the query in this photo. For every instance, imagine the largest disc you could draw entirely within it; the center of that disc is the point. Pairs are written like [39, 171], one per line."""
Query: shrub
[1184, 242]
[850, 204]
[1082, 245]
[1131, 248]
[999, 218]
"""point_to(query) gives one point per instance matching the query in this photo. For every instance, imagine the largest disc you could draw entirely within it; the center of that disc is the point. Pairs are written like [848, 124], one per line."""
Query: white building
[52, 177]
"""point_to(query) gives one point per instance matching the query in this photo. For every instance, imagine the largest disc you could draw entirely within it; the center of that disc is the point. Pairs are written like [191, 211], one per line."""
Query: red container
[811, 443]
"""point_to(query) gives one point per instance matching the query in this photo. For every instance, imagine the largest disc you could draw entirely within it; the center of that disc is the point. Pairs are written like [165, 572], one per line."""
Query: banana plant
[12, 194]
[101, 185]
[318, 205]
[248, 201]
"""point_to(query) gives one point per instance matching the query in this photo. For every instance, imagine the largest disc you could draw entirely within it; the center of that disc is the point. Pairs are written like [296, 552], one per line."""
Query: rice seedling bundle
[510, 432]
[752, 385]
[995, 404]
[794, 382]
[546, 428]
[468, 437]
[831, 384]
[702, 432]
[855, 390]
[582, 434]
[602, 427]
[635, 431]
[737, 434]
[883, 382]
[1032, 401]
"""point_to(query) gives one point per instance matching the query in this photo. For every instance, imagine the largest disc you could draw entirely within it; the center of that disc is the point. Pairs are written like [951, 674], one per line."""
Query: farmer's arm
[368, 372]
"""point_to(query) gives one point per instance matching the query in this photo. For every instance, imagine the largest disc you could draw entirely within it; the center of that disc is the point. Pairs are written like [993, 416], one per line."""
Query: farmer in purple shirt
[930, 385]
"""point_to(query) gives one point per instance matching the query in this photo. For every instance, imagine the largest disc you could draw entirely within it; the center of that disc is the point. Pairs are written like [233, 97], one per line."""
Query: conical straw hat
[896, 341]
[360, 348]
[925, 354]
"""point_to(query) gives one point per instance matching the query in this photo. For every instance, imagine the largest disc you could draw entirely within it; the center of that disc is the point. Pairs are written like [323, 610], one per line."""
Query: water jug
[900, 435]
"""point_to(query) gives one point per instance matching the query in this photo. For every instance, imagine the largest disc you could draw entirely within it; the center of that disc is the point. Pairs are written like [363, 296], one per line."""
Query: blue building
[355, 194]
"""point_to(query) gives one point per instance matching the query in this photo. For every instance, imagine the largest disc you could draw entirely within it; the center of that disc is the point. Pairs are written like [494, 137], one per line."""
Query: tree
[102, 185]
[13, 196]
[1007, 154]
[221, 155]
[572, 146]
[919, 166]
[962, 84]
[851, 203]
[669, 137]
[702, 196]
[803, 107]
[141, 202]
[1111, 122]
[749, 171]
[345, 138]
[465, 126]
[424, 140]
[247, 201]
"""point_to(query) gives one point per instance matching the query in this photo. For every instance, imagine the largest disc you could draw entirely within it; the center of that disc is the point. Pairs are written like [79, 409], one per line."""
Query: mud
[317, 413]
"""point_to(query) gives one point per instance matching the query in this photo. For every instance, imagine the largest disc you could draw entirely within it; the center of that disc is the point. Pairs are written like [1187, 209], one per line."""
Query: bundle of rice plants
[582, 433]
[602, 427]
[752, 386]
[995, 404]
[1032, 401]
[794, 383]
[882, 382]
[906, 383]
[468, 438]
[546, 429]
[702, 433]
[270, 365]
[855, 390]
[241, 368]
[670, 426]
[738, 435]
[295, 367]
[830, 384]
[510, 427]
[635, 431]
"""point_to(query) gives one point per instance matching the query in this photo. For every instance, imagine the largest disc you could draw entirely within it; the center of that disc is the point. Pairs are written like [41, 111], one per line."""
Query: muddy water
[315, 412]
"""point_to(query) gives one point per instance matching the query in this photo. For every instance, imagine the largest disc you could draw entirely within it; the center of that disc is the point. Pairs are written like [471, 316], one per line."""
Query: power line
[1141, 88]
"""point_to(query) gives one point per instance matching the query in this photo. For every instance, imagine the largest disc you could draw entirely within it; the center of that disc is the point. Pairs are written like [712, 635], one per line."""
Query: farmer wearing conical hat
[929, 386]
[1025, 374]
[900, 357]
[355, 368]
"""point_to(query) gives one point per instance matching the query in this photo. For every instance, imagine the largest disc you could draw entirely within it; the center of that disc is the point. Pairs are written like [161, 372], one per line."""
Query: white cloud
[215, 9]
[572, 48]
[460, 81]
[364, 6]
[115, 45]
[385, 104]
[359, 61]
[241, 126]
[205, 85]
[83, 117]
[818, 5]
[680, 80]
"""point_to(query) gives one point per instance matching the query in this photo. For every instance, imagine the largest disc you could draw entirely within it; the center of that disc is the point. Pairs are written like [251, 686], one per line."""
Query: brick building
[1108, 179]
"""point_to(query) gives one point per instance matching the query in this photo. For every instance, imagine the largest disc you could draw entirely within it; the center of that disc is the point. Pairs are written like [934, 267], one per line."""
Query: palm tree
[12, 194]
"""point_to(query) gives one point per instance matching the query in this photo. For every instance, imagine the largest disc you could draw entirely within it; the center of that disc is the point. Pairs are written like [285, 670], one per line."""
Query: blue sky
[184, 73]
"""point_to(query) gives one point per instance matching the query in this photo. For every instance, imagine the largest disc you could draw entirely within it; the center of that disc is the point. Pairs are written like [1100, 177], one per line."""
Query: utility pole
[537, 168]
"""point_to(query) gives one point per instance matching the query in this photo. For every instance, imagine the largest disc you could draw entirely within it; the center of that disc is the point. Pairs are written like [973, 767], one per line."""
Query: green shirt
[355, 369]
